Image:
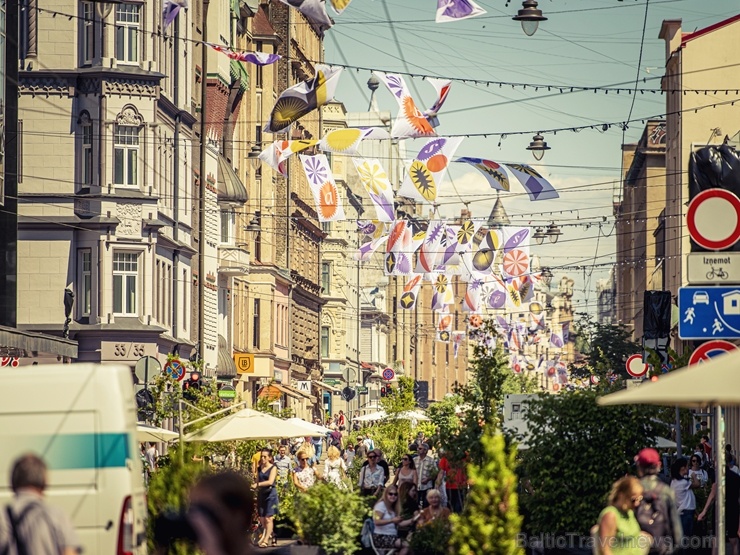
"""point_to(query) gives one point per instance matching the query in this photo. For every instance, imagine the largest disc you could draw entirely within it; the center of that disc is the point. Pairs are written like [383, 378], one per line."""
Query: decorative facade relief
[129, 116]
[130, 217]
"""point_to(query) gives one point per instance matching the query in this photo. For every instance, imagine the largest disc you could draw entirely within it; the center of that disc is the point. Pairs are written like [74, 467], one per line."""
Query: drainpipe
[176, 181]
[202, 187]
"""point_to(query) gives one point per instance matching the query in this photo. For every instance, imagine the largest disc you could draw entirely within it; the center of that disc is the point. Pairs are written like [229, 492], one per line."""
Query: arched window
[126, 140]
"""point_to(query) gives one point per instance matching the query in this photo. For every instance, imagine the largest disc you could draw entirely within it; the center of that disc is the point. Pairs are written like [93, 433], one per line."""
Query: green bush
[432, 539]
[490, 522]
[329, 518]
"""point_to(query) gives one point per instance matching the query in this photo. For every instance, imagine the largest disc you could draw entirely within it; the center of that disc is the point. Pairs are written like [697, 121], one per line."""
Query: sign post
[713, 219]
[709, 312]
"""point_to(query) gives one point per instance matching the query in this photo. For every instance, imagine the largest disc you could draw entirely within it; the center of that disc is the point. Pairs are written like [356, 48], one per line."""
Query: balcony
[233, 261]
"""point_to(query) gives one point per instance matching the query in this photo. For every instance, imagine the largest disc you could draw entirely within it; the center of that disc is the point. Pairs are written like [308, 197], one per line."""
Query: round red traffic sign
[175, 369]
[710, 349]
[713, 219]
[388, 374]
[635, 367]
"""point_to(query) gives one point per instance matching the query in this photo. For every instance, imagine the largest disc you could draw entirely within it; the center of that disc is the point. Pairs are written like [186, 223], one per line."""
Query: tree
[490, 522]
[607, 347]
[576, 450]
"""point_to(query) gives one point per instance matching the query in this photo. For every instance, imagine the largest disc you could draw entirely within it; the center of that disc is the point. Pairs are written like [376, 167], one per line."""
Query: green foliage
[459, 435]
[490, 522]
[432, 539]
[607, 346]
[330, 518]
[401, 398]
[169, 486]
[576, 450]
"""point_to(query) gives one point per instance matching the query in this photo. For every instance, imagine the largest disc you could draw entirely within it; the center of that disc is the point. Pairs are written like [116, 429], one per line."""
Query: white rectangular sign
[720, 268]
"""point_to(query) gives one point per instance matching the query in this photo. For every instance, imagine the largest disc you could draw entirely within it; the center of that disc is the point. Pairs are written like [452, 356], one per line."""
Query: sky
[586, 43]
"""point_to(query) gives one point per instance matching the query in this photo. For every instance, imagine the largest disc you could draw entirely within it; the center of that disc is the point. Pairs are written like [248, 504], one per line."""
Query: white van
[81, 418]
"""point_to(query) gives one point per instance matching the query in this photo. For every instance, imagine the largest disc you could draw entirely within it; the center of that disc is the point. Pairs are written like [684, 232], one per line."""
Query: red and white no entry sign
[710, 349]
[713, 219]
[635, 367]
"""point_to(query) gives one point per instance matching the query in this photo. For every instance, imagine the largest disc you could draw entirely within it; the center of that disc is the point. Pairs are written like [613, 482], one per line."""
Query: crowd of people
[649, 514]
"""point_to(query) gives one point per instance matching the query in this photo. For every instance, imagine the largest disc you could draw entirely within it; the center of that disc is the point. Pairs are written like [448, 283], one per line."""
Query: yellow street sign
[244, 363]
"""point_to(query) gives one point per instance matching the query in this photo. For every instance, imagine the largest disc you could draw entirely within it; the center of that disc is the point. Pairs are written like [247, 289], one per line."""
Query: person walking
[318, 445]
[456, 482]
[349, 455]
[304, 476]
[427, 471]
[657, 513]
[732, 508]
[372, 477]
[619, 531]
[267, 496]
[334, 469]
[406, 472]
[283, 463]
[28, 524]
[683, 488]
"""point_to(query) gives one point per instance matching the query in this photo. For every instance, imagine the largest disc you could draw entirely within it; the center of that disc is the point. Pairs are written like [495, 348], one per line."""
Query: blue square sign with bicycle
[709, 312]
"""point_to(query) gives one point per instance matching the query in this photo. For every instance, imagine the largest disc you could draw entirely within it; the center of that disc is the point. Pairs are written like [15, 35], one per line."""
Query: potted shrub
[432, 539]
[328, 520]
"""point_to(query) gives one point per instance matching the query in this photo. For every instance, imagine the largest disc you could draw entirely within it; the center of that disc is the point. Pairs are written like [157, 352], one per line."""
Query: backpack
[652, 514]
[13, 525]
[366, 536]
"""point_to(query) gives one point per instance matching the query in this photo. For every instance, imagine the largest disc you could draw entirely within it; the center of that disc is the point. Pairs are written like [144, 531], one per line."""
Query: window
[256, 324]
[87, 151]
[258, 69]
[88, 32]
[326, 277]
[325, 341]
[127, 33]
[85, 285]
[125, 155]
[225, 226]
[326, 227]
[125, 277]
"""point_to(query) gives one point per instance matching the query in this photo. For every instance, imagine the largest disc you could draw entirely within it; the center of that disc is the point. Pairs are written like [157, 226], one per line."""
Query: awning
[230, 187]
[225, 362]
[25, 343]
[326, 386]
[270, 392]
[294, 391]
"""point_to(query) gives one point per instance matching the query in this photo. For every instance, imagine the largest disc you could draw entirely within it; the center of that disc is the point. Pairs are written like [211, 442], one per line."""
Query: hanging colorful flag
[410, 121]
[315, 12]
[378, 187]
[170, 9]
[465, 234]
[347, 141]
[366, 250]
[397, 260]
[339, 5]
[498, 293]
[566, 332]
[556, 339]
[278, 152]
[442, 88]
[516, 251]
[457, 340]
[430, 251]
[484, 251]
[444, 326]
[443, 293]
[324, 189]
[536, 186]
[410, 292]
[455, 10]
[495, 173]
[471, 300]
[428, 168]
[298, 100]
[256, 58]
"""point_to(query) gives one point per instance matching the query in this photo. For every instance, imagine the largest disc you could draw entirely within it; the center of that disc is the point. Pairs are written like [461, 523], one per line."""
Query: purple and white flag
[256, 58]
[455, 10]
[170, 9]
[536, 186]
[378, 187]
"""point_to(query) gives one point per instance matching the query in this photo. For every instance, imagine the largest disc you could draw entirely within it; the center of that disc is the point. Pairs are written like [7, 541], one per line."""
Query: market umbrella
[371, 417]
[147, 432]
[311, 429]
[245, 425]
[406, 415]
[713, 383]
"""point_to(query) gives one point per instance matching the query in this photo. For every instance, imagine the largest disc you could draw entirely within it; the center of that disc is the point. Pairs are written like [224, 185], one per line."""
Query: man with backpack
[657, 513]
[28, 526]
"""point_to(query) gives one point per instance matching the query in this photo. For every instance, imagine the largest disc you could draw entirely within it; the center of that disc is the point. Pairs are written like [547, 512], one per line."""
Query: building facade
[640, 225]
[105, 176]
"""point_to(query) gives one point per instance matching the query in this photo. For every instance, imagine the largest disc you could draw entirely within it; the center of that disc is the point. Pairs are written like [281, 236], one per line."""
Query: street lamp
[254, 226]
[553, 232]
[529, 16]
[539, 236]
[546, 277]
[538, 146]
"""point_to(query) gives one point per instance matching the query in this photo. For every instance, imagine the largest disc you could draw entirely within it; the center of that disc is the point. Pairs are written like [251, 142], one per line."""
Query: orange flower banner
[324, 189]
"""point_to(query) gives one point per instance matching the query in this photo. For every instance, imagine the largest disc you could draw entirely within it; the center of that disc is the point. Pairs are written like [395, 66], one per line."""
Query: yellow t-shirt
[256, 458]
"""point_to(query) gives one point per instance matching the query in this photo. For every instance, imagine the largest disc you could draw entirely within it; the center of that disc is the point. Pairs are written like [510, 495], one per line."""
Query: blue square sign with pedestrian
[709, 312]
